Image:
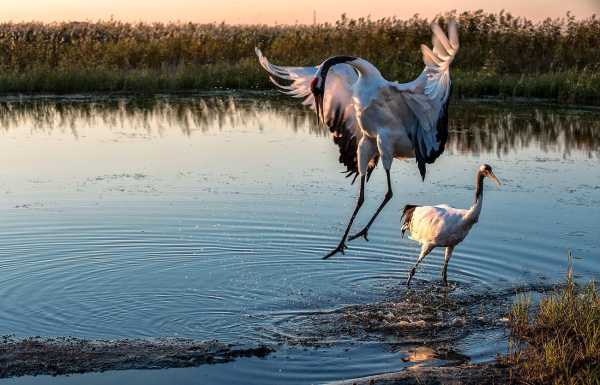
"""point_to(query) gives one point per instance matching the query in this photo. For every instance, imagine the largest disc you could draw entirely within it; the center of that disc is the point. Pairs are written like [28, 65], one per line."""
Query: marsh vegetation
[501, 55]
[558, 340]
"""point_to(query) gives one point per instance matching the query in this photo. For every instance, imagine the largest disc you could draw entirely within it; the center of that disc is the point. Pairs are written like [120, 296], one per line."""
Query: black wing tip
[348, 147]
[421, 155]
[422, 169]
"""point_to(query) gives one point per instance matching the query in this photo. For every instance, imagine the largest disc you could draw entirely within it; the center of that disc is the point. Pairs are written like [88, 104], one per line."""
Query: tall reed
[501, 55]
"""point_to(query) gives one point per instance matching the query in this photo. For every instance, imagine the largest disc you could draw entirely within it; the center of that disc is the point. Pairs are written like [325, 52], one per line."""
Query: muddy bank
[57, 356]
[463, 375]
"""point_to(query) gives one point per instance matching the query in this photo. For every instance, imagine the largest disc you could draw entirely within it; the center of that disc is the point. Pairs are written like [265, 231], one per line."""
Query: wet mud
[424, 314]
[59, 356]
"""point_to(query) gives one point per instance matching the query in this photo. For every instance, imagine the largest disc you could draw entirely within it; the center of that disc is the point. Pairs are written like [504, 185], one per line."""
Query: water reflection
[419, 354]
[423, 354]
[475, 127]
[491, 128]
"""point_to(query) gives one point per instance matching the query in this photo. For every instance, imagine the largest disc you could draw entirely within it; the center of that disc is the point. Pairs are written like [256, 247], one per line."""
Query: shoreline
[64, 356]
[266, 93]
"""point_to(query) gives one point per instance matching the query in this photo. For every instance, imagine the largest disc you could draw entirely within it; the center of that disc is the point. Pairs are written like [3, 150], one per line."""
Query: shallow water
[206, 216]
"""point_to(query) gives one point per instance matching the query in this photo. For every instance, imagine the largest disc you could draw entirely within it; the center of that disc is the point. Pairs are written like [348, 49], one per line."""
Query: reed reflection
[490, 128]
[476, 128]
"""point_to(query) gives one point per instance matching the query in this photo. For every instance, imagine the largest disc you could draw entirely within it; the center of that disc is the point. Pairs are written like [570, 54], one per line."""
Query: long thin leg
[425, 249]
[359, 202]
[388, 196]
[447, 257]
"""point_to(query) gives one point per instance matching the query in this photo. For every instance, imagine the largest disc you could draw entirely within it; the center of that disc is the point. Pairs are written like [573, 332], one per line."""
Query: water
[206, 217]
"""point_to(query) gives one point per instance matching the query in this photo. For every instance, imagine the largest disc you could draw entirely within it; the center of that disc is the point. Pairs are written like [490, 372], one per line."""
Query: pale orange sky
[274, 11]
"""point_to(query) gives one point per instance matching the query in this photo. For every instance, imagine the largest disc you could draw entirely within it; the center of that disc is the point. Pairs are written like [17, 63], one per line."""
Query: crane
[373, 119]
[442, 225]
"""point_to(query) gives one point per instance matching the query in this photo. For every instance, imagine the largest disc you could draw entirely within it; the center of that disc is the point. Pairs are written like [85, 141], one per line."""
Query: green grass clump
[558, 342]
[501, 54]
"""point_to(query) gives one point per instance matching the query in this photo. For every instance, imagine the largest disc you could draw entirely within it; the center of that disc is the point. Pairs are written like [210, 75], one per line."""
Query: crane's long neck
[364, 68]
[367, 72]
[473, 213]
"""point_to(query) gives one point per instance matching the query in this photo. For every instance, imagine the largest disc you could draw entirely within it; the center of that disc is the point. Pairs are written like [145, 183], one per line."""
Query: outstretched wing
[428, 95]
[338, 109]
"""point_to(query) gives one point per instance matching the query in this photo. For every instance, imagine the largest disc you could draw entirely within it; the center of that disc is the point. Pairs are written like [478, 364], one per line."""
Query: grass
[570, 87]
[557, 342]
[501, 55]
[242, 75]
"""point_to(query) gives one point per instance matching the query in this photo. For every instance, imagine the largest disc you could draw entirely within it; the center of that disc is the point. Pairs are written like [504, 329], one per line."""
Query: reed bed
[501, 55]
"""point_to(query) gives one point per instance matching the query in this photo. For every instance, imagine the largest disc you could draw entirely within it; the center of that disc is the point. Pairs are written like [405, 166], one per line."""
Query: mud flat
[58, 356]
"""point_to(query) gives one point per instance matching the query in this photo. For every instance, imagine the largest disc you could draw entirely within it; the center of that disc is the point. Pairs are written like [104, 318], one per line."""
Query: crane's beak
[319, 106]
[494, 178]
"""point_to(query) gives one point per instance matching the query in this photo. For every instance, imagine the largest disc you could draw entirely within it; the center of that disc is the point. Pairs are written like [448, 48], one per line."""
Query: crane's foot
[412, 273]
[340, 249]
[363, 233]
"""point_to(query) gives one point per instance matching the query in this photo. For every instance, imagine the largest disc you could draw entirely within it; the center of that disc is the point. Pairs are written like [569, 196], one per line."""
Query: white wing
[427, 96]
[300, 78]
[338, 109]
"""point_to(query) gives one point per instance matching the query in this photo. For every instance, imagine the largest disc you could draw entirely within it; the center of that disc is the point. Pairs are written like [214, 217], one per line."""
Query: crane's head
[317, 85]
[486, 171]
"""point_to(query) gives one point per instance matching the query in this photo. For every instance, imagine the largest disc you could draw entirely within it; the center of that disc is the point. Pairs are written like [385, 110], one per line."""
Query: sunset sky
[274, 11]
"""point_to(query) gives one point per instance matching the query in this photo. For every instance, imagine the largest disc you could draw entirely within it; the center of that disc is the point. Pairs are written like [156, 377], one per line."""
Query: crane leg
[388, 196]
[447, 257]
[425, 249]
[359, 202]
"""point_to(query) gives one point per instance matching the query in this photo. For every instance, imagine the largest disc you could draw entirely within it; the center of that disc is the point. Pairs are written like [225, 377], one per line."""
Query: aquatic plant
[501, 55]
[558, 341]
